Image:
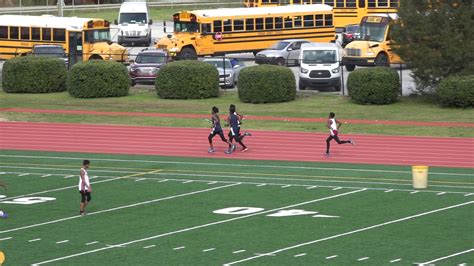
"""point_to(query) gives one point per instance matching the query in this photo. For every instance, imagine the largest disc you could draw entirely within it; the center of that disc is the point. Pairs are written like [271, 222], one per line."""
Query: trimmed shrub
[187, 79]
[266, 84]
[29, 74]
[97, 79]
[456, 91]
[376, 85]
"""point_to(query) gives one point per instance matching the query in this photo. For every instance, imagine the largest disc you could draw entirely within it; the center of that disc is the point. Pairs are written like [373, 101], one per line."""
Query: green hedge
[187, 79]
[31, 74]
[456, 91]
[266, 84]
[376, 85]
[97, 78]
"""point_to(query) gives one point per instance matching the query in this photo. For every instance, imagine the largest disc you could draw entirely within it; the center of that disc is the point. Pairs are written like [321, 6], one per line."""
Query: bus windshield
[319, 57]
[372, 32]
[132, 18]
[181, 26]
[93, 36]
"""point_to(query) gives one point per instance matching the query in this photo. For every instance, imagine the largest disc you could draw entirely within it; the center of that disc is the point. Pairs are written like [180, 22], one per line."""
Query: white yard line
[46, 175]
[5, 238]
[299, 255]
[332, 257]
[25, 174]
[34, 240]
[353, 232]
[68, 176]
[238, 251]
[395, 260]
[388, 191]
[447, 257]
[63, 241]
[150, 246]
[209, 249]
[198, 227]
[140, 179]
[364, 258]
[119, 208]
[178, 248]
[261, 185]
[92, 243]
[285, 186]
[414, 192]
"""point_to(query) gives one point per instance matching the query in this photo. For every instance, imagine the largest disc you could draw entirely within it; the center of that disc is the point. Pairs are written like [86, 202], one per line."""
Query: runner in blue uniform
[235, 120]
[217, 130]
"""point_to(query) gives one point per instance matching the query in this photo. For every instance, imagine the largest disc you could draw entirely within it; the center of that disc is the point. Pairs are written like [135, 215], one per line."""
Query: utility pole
[60, 8]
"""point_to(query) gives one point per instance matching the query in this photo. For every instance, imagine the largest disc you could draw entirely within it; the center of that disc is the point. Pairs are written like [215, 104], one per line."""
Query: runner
[217, 130]
[84, 187]
[2, 213]
[235, 120]
[333, 124]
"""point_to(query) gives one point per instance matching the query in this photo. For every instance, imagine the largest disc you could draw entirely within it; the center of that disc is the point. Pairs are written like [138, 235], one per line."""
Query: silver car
[283, 53]
[228, 70]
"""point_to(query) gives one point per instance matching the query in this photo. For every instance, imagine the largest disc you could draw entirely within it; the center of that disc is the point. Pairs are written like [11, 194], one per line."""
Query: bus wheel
[382, 60]
[187, 53]
[95, 57]
[280, 61]
[350, 67]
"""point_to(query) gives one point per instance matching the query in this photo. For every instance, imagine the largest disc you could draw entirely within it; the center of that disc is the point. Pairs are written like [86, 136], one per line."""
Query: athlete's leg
[336, 138]
[328, 143]
[210, 139]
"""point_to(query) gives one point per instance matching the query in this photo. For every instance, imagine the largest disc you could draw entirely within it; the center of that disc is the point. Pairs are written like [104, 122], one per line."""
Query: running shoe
[327, 154]
[3, 214]
[211, 150]
[234, 147]
[244, 149]
[247, 134]
[228, 151]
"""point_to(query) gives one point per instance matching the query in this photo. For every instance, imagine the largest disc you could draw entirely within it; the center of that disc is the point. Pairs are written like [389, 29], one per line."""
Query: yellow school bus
[230, 30]
[81, 38]
[345, 11]
[372, 45]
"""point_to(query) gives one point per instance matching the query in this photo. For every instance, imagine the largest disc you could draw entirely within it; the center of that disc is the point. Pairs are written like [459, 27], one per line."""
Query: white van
[319, 65]
[134, 23]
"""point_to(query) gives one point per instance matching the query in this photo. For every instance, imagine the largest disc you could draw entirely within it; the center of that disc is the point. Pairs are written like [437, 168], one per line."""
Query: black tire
[338, 88]
[95, 57]
[281, 61]
[301, 86]
[187, 54]
[382, 60]
[134, 83]
[350, 67]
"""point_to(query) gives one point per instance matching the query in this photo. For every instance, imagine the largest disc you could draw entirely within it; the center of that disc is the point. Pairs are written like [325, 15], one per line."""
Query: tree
[435, 38]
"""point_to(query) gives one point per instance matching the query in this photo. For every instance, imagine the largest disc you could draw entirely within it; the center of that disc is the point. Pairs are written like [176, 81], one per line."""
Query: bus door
[75, 47]
[205, 40]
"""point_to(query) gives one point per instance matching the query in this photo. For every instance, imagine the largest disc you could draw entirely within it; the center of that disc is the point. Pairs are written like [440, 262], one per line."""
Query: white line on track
[68, 176]
[5, 238]
[25, 174]
[92, 243]
[285, 186]
[332, 257]
[261, 185]
[209, 249]
[353, 232]
[299, 255]
[150, 246]
[364, 258]
[62, 241]
[337, 188]
[414, 192]
[164, 180]
[186, 182]
[34, 240]
[2, 173]
[211, 183]
[311, 187]
[447, 257]
[199, 227]
[120, 207]
[395, 260]
[389, 190]
[178, 248]
[231, 165]
[239, 251]
[46, 175]
[469, 194]
[441, 193]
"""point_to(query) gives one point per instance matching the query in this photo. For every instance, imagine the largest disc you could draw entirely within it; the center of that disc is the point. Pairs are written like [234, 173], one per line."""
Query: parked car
[282, 53]
[146, 65]
[229, 70]
[53, 50]
[349, 33]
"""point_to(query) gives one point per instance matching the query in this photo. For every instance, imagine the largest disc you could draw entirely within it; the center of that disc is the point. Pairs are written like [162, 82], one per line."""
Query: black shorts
[85, 196]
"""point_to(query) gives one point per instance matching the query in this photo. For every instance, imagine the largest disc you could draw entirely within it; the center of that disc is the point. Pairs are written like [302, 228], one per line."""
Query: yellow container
[420, 176]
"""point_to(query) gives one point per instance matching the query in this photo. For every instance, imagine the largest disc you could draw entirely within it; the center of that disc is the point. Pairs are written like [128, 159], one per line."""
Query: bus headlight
[304, 70]
[335, 70]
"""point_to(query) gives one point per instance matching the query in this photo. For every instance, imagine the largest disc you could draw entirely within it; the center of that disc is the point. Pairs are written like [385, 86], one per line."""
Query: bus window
[351, 3]
[317, 1]
[371, 3]
[393, 3]
[296, 2]
[59, 35]
[3, 32]
[46, 34]
[309, 21]
[238, 24]
[25, 33]
[278, 23]
[269, 23]
[319, 21]
[298, 22]
[249, 24]
[93, 36]
[183, 26]
[328, 20]
[217, 25]
[383, 3]
[205, 28]
[306, 2]
[14, 33]
[340, 3]
[228, 25]
[259, 23]
[288, 23]
[362, 3]
[329, 2]
[35, 34]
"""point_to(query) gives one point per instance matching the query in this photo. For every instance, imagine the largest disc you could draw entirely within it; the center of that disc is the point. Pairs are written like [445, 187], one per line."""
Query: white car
[282, 53]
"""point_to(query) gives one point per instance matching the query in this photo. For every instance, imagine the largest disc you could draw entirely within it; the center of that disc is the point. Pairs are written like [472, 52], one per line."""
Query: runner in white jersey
[333, 124]
[84, 187]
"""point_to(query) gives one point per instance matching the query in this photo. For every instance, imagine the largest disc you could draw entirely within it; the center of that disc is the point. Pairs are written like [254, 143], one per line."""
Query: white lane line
[164, 180]
[300, 255]
[62, 241]
[441, 193]
[186, 182]
[387, 191]
[414, 192]
[200, 226]
[286, 186]
[24, 174]
[395, 260]
[2, 173]
[209, 249]
[364, 258]
[212, 183]
[140, 179]
[120, 207]
[332, 257]
[46, 175]
[150, 246]
[337, 188]
[353, 232]
[469, 194]
[447, 257]
[239, 251]
[178, 248]
[311, 187]
[5, 238]
[92, 243]
[34, 240]
[68, 176]
[261, 185]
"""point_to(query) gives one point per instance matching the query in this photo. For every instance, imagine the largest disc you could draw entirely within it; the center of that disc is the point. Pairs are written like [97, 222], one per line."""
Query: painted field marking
[354, 231]
[186, 182]
[261, 185]
[150, 246]
[25, 174]
[332, 257]
[34, 240]
[286, 186]
[5, 238]
[140, 179]
[395, 260]
[199, 227]
[178, 248]
[164, 180]
[414, 192]
[364, 258]
[300, 255]
[470, 194]
[209, 249]
[441, 193]
[311, 187]
[389, 190]
[337, 188]
[2, 173]
[46, 175]
[68, 176]
[63, 241]
[212, 183]
[92, 243]
[120, 207]
[447, 257]
[239, 251]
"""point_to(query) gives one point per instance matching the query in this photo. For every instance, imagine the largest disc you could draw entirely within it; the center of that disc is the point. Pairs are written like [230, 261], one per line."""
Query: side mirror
[150, 22]
[116, 22]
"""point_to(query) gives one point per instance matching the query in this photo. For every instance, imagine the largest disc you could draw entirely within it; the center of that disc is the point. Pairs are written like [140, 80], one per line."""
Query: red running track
[264, 145]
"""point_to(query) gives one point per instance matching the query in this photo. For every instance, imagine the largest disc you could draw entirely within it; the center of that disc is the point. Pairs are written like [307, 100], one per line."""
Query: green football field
[190, 211]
